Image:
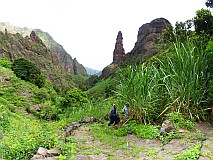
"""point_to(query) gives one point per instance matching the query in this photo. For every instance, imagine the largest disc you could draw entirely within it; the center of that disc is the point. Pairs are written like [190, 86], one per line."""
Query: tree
[203, 22]
[28, 71]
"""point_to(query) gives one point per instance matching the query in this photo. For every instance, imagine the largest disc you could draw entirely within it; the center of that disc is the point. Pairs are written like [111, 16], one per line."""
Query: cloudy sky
[87, 29]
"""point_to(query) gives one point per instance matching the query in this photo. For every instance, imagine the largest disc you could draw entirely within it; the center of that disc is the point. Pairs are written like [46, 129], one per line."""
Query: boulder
[42, 151]
[70, 128]
[45, 154]
[54, 152]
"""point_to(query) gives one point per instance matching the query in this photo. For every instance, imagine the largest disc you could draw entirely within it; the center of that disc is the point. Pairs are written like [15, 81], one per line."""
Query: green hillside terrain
[49, 109]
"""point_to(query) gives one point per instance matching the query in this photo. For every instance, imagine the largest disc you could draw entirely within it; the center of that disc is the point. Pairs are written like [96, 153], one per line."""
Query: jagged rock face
[119, 52]
[118, 56]
[64, 57]
[145, 47]
[148, 35]
[108, 70]
[78, 68]
[14, 46]
[61, 60]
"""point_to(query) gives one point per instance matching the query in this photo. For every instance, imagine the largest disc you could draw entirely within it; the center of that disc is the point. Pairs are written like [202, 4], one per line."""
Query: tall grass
[138, 88]
[174, 84]
[184, 77]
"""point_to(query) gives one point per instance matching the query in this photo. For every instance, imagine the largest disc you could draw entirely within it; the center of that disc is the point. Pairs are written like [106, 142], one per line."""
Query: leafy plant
[138, 88]
[49, 111]
[192, 153]
[4, 62]
[179, 121]
[168, 137]
[144, 131]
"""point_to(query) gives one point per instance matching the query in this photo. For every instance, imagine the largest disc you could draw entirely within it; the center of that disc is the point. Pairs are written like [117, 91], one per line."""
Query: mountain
[64, 58]
[148, 44]
[40, 48]
[91, 71]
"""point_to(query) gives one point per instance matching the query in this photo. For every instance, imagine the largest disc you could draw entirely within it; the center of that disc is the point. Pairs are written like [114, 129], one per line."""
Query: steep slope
[64, 59]
[69, 65]
[14, 46]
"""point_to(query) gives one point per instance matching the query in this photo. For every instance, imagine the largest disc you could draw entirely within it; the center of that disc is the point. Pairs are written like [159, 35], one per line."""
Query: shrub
[28, 71]
[138, 88]
[49, 111]
[4, 62]
[74, 98]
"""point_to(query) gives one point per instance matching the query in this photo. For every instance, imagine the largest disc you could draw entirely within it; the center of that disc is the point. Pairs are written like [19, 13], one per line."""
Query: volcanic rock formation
[148, 36]
[148, 44]
[119, 52]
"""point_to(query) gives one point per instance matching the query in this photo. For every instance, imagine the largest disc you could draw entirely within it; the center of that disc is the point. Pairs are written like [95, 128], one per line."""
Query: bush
[74, 98]
[28, 71]
[4, 62]
[49, 111]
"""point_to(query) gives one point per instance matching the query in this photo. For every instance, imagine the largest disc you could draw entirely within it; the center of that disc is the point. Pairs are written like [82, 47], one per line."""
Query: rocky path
[89, 148]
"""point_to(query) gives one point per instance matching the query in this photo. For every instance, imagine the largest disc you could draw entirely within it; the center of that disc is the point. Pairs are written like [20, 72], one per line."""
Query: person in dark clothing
[114, 117]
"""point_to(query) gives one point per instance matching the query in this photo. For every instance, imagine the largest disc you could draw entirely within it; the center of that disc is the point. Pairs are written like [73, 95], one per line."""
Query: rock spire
[119, 52]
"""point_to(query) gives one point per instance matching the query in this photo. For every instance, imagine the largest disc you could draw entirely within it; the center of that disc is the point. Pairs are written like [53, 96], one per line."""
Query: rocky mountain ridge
[147, 45]
[56, 68]
[67, 63]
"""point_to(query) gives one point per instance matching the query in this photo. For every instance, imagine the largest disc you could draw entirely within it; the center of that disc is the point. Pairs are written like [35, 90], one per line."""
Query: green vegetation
[5, 63]
[192, 153]
[175, 84]
[144, 131]
[28, 71]
[74, 98]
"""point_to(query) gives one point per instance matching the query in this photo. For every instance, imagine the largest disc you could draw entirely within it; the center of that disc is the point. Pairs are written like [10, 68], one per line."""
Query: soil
[144, 149]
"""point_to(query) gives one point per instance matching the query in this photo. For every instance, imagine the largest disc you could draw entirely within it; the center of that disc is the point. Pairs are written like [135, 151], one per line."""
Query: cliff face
[78, 68]
[14, 46]
[145, 47]
[148, 36]
[63, 63]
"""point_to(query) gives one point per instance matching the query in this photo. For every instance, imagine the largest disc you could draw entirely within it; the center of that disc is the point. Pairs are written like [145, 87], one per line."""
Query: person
[114, 117]
[125, 110]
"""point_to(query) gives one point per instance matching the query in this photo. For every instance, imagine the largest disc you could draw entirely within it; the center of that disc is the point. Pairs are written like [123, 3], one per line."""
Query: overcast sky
[87, 29]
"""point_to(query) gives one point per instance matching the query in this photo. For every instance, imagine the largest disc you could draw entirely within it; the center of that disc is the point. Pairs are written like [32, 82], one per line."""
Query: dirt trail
[137, 148]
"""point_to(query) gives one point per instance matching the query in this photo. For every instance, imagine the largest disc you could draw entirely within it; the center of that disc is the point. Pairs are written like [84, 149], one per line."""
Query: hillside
[165, 85]
[68, 64]
[54, 61]
[76, 136]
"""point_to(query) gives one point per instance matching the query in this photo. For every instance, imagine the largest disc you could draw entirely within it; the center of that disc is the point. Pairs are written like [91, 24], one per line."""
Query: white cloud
[87, 29]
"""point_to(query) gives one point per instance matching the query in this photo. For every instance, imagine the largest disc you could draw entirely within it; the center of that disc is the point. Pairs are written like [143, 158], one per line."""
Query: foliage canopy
[28, 71]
